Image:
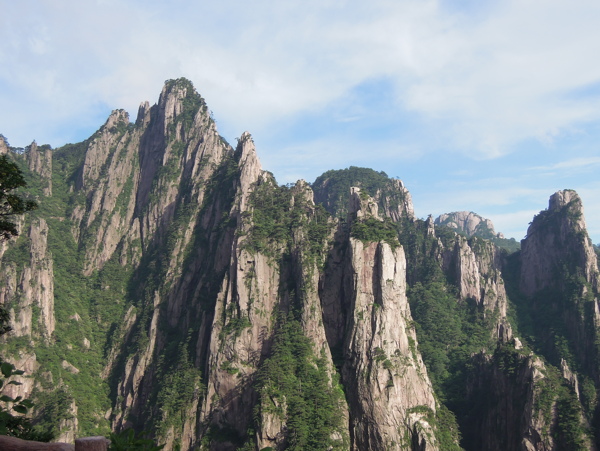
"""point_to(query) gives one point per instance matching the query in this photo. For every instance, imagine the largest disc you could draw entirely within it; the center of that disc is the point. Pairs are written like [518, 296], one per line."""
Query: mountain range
[168, 283]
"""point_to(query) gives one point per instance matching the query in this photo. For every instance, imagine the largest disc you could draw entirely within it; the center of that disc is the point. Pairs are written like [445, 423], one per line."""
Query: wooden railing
[81, 444]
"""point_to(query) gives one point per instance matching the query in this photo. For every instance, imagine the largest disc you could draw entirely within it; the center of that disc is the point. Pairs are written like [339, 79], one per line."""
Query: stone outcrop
[3, 146]
[384, 373]
[25, 382]
[476, 267]
[108, 179]
[39, 160]
[164, 158]
[244, 314]
[367, 317]
[33, 289]
[68, 426]
[504, 395]
[392, 197]
[559, 274]
[397, 203]
[468, 223]
[557, 235]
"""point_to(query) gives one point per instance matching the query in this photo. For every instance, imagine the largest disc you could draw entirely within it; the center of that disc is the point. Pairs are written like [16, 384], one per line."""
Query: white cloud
[489, 79]
[481, 79]
[509, 77]
[573, 163]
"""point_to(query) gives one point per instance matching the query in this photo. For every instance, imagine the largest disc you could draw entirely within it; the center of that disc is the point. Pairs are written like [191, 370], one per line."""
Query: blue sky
[485, 106]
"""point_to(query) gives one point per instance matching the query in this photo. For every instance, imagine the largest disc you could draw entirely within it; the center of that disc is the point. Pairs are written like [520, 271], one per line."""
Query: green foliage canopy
[11, 204]
[294, 384]
[332, 188]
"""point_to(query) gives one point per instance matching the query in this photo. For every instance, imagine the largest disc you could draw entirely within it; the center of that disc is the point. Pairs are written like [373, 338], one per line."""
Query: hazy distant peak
[468, 223]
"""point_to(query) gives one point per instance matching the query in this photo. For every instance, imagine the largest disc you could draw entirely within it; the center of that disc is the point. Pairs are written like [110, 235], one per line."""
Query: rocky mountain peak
[391, 196]
[173, 94]
[99, 148]
[39, 159]
[171, 101]
[116, 118]
[361, 204]
[143, 116]
[562, 198]
[250, 167]
[557, 236]
[468, 223]
[569, 201]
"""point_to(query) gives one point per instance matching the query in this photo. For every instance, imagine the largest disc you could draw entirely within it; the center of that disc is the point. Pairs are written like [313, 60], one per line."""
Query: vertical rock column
[387, 385]
[40, 162]
[36, 286]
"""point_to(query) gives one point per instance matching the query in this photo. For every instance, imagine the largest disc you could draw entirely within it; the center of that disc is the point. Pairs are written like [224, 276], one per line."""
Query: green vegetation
[294, 385]
[510, 245]
[52, 407]
[421, 250]
[86, 309]
[192, 103]
[11, 203]
[277, 214]
[272, 218]
[181, 387]
[460, 326]
[332, 188]
[370, 230]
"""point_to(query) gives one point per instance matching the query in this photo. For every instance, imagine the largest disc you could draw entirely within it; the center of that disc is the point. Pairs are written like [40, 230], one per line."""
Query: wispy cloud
[329, 83]
[484, 87]
[573, 163]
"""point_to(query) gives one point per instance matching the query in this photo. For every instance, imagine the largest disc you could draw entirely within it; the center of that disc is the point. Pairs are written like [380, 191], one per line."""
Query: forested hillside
[168, 283]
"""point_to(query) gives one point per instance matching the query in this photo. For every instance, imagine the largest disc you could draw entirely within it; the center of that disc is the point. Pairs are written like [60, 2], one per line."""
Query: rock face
[512, 417]
[3, 146]
[367, 317]
[31, 293]
[467, 223]
[384, 373]
[28, 364]
[476, 265]
[557, 235]
[40, 162]
[559, 274]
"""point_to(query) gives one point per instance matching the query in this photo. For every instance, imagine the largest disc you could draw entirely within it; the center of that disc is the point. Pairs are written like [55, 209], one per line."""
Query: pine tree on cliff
[11, 204]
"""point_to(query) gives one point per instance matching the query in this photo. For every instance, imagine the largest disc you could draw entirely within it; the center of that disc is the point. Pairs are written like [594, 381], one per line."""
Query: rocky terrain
[168, 283]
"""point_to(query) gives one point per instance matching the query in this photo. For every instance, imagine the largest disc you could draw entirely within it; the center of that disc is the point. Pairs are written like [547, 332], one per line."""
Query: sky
[479, 105]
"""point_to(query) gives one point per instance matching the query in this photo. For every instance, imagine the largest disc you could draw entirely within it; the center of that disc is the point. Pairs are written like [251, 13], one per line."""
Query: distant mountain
[169, 284]
[471, 224]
